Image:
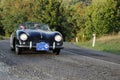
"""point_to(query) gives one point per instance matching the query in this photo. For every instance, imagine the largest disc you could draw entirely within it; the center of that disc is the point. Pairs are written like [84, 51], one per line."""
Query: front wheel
[18, 50]
[12, 49]
[56, 51]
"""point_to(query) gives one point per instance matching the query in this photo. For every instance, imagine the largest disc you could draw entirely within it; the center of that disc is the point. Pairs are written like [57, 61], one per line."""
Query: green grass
[3, 37]
[106, 44]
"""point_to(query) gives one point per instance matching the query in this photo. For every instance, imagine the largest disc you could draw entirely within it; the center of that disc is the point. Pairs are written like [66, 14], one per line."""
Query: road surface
[74, 63]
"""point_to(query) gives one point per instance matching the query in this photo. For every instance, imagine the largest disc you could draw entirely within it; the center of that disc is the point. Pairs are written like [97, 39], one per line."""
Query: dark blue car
[36, 36]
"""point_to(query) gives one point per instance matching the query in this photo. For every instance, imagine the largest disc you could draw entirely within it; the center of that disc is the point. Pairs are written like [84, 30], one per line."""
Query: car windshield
[36, 26]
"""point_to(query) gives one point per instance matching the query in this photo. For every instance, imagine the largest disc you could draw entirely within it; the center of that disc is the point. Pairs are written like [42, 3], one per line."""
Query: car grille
[35, 40]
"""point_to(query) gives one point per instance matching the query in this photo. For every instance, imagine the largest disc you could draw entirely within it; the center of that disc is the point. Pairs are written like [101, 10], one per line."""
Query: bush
[3, 37]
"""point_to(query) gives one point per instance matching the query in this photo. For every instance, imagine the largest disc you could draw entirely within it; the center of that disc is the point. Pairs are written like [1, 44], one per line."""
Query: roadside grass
[109, 43]
[3, 37]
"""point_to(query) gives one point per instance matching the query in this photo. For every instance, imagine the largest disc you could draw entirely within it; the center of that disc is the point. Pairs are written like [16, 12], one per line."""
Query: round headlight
[58, 38]
[23, 37]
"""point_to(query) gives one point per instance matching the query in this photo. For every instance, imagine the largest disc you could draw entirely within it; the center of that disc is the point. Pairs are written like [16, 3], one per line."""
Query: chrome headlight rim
[58, 38]
[23, 37]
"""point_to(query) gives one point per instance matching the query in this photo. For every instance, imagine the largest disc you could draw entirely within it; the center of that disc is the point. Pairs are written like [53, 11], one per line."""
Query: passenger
[36, 26]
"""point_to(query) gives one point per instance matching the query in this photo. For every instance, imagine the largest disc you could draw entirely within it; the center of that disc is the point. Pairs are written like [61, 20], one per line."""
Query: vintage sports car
[35, 36]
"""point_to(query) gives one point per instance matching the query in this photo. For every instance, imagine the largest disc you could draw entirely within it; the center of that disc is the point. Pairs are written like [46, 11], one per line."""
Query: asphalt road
[74, 63]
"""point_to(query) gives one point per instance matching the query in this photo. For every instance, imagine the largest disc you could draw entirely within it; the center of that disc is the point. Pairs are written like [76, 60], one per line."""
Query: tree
[50, 12]
[102, 18]
[1, 26]
[14, 12]
[70, 21]
[76, 18]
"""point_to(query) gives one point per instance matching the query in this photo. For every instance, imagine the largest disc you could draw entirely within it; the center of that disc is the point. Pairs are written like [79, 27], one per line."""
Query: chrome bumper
[30, 46]
[34, 47]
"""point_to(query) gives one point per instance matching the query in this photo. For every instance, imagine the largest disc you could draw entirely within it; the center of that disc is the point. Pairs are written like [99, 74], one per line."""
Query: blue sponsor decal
[42, 46]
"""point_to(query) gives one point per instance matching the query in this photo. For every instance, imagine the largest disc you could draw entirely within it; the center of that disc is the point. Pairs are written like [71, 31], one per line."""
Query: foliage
[76, 18]
[14, 12]
[17, 11]
[73, 18]
[1, 26]
[3, 37]
[102, 18]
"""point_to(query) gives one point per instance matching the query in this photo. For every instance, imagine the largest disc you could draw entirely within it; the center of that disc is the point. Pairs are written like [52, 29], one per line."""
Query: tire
[56, 51]
[18, 50]
[12, 49]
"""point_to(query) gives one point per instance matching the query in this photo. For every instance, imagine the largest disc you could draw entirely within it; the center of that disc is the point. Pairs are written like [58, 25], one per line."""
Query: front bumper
[34, 47]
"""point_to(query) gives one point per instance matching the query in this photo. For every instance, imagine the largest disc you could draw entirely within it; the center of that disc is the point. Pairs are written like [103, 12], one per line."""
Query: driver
[22, 27]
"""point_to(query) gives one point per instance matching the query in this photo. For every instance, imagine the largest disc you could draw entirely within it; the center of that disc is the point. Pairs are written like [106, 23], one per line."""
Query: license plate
[42, 46]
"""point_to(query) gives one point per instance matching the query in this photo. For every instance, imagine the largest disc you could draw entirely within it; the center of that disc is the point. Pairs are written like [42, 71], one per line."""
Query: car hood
[40, 34]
